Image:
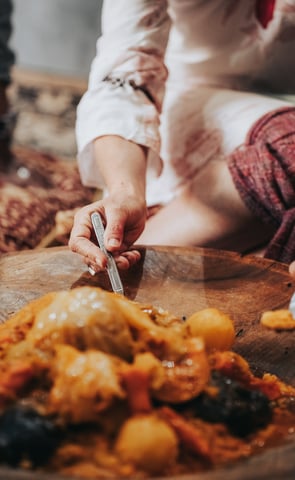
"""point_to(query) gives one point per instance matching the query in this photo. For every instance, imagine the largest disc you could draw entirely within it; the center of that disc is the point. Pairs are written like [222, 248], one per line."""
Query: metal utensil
[292, 305]
[112, 269]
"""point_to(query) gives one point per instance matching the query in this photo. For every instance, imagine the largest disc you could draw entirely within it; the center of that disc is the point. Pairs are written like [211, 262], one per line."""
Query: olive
[25, 434]
[243, 410]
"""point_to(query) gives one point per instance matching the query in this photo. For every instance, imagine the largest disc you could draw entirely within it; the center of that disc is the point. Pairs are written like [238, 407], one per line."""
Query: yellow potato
[278, 320]
[215, 327]
[147, 442]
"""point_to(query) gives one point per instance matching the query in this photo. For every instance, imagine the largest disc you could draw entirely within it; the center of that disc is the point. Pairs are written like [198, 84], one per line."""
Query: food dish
[185, 268]
[92, 383]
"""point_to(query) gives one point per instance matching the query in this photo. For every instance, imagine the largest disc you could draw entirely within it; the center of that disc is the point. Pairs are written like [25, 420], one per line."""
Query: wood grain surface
[181, 280]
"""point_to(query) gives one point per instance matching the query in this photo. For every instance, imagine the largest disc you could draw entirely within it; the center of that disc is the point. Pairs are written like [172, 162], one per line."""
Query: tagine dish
[95, 385]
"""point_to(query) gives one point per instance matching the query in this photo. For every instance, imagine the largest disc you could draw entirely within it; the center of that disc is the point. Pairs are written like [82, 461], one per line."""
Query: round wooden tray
[181, 280]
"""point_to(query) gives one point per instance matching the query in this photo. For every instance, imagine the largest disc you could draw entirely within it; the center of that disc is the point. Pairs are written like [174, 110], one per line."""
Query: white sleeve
[126, 82]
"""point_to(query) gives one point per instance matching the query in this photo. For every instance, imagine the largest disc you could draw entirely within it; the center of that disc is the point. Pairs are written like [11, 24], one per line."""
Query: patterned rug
[39, 212]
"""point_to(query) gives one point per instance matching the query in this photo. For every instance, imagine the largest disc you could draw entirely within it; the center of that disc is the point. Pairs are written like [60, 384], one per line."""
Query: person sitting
[184, 128]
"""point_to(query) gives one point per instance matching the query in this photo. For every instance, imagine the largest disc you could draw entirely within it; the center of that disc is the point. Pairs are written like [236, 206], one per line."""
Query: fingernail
[113, 242]
[91, 271]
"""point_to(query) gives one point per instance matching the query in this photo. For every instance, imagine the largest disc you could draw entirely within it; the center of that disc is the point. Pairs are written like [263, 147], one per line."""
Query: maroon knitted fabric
[263, 170]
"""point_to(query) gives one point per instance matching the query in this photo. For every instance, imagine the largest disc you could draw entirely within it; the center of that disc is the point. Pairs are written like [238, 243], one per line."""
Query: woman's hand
[292, 269]
[124, 218]
[123, 168]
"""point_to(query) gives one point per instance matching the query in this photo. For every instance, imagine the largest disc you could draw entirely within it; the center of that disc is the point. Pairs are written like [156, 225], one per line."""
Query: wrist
[123, 167]
[127, 188]
[133, 199]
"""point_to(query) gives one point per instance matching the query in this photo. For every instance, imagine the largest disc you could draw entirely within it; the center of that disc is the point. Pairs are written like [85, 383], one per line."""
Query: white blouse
[179, 77]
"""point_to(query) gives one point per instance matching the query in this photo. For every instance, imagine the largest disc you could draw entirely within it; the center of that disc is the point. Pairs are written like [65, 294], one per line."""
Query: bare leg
[208, 213]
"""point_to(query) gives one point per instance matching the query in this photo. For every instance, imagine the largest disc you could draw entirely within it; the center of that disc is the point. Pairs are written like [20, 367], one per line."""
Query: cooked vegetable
[241, 409]
[147, 442]
[26, 435]
[215, 327]
[136, 391]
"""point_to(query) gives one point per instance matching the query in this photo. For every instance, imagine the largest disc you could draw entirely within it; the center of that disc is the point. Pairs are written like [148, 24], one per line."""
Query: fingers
[92, 255]
[80, 240]
[292, 269]
[127, 259]
[123, 261]
[114, 230]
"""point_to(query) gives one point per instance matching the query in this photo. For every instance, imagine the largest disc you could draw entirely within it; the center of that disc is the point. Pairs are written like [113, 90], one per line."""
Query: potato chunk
[278, 320]
[215, 327]
[148, 443]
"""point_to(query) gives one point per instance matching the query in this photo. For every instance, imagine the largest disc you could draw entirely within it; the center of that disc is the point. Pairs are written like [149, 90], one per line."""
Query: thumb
[114, 231]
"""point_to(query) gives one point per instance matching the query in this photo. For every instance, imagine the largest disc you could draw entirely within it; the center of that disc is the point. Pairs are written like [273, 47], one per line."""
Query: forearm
[122, 165]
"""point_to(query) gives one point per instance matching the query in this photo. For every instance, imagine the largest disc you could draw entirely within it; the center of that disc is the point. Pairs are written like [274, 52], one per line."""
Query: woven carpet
[40, 212]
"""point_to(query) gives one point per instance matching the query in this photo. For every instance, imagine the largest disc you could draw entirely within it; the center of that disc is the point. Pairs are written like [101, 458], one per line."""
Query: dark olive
[25, 434]
[241, 409]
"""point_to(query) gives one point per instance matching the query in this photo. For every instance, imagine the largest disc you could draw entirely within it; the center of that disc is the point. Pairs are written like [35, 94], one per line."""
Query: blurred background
[54, 42]
[56, 36]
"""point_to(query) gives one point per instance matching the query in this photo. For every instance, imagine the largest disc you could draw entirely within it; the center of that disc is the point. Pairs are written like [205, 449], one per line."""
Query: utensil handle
[112, 268]
[292, 305]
